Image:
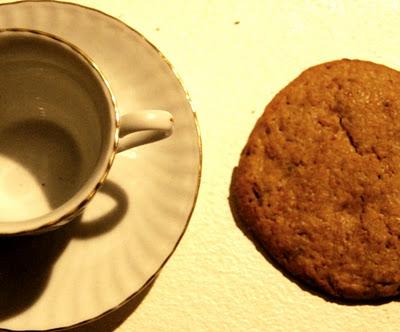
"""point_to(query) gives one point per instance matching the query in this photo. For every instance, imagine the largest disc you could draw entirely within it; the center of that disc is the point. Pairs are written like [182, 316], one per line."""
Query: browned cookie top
[319, 179]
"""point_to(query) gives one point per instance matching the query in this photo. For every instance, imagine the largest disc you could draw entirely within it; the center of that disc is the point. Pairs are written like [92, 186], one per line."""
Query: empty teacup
[59, 130]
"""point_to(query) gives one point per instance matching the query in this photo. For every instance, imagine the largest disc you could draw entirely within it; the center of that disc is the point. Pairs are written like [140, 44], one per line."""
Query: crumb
[236, 22]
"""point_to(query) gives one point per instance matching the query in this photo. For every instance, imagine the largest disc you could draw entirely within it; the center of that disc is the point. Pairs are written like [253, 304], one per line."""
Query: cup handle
[143, 127]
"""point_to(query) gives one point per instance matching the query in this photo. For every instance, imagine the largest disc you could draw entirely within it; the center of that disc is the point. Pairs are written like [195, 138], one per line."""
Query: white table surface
[233, 56]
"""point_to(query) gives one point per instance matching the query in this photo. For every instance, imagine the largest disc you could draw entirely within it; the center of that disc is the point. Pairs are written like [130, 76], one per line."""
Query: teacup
[59, 130]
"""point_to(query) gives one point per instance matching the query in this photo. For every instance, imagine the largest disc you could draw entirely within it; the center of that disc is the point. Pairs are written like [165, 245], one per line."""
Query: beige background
[233, 56]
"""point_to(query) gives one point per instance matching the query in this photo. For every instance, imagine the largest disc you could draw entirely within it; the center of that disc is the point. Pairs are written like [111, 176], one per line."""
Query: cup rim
[72, 207]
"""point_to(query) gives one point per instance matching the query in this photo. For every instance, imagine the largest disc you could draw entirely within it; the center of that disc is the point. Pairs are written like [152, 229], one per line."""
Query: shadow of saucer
[26, 262]
[111, 320]
[308, 287]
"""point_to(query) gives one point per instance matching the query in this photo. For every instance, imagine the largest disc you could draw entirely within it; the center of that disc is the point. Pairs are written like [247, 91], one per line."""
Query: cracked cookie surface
[318, 182]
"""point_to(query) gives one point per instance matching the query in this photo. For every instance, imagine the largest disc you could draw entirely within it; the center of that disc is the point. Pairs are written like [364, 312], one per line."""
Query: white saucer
[131, 228]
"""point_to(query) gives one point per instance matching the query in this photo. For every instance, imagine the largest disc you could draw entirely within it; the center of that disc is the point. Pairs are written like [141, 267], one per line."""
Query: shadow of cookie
[308, 287]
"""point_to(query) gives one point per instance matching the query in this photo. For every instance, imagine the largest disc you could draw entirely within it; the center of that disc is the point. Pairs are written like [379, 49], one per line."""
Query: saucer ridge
[150, 193]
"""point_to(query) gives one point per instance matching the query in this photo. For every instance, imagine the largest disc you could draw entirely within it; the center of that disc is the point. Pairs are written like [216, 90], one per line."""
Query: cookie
[318, 182]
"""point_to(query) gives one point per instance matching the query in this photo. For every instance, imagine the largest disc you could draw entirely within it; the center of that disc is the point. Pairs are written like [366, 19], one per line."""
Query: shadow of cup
[42, 168]
[26, 262]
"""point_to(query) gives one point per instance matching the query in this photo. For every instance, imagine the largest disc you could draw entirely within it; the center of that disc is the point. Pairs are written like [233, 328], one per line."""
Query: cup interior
[57, 125]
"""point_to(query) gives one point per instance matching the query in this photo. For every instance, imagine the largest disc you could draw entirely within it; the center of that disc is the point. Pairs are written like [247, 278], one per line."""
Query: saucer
[134, 224]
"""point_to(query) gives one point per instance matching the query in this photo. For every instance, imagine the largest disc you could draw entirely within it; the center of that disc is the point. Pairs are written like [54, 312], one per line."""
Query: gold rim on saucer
[200, 155]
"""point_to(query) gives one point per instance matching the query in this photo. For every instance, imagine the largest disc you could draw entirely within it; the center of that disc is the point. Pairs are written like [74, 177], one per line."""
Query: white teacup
[59, 131]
